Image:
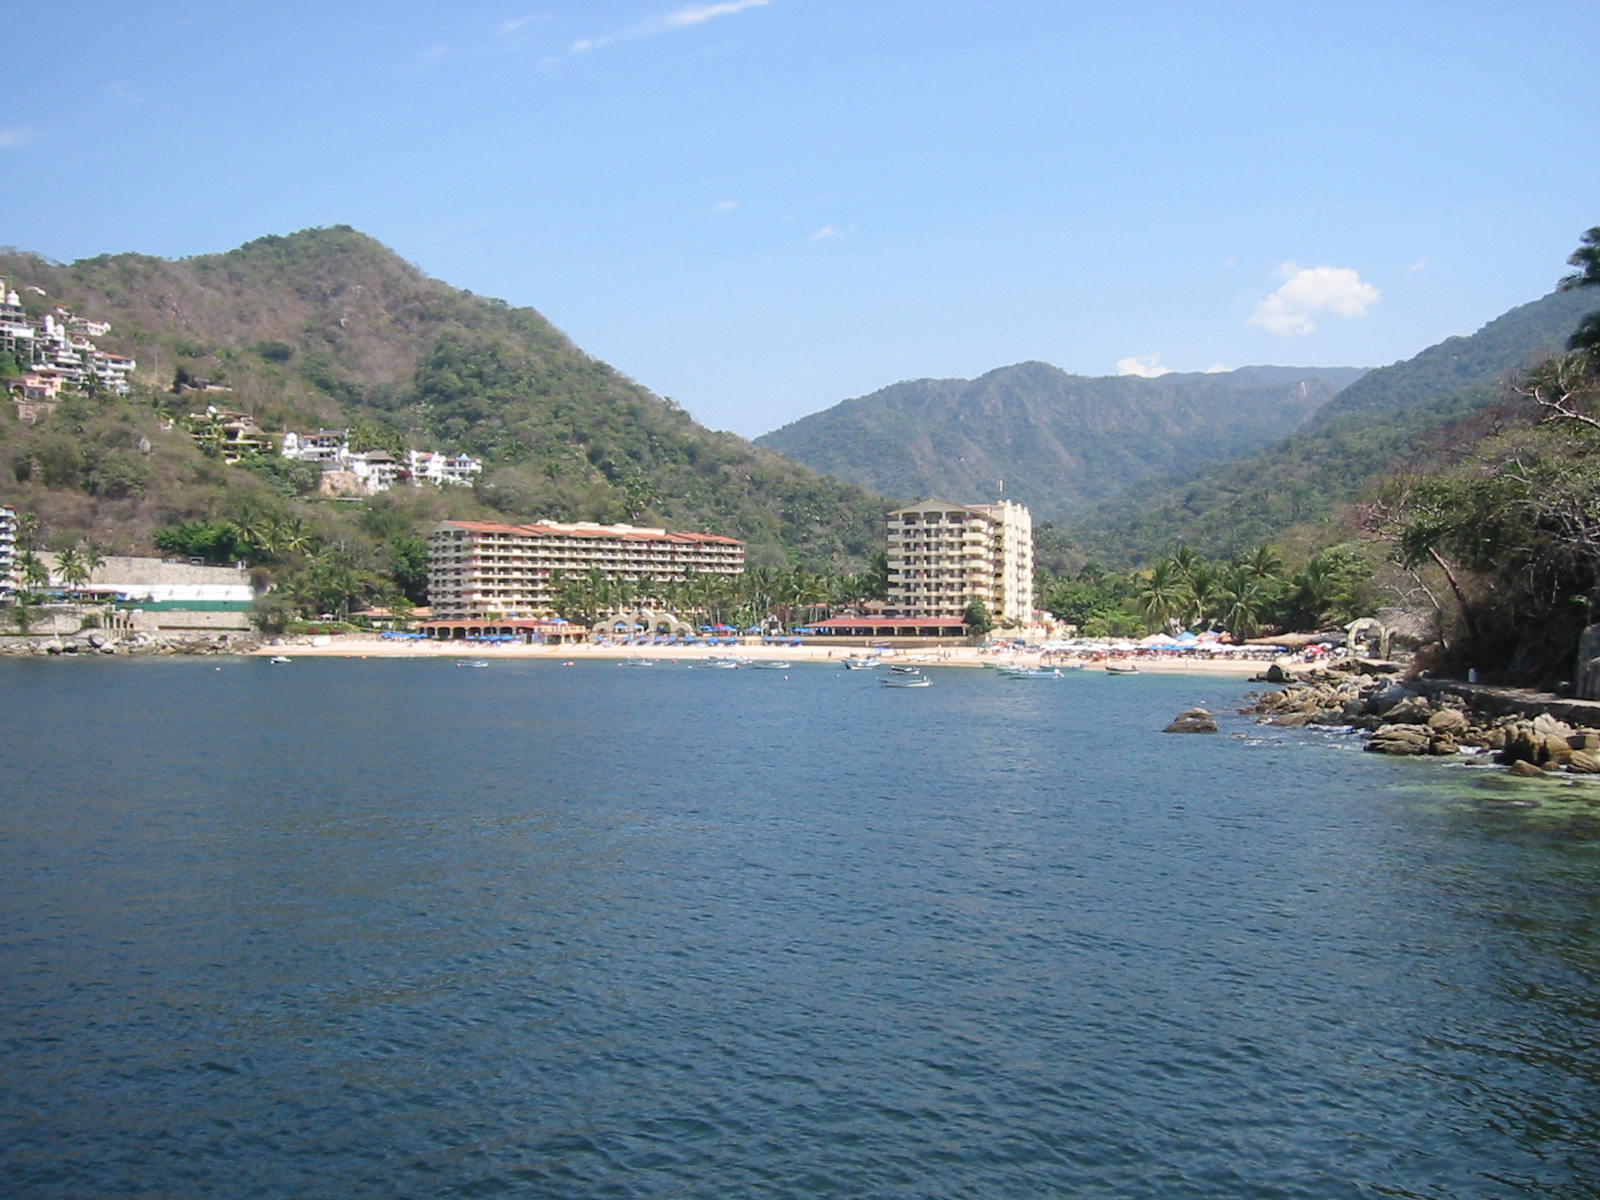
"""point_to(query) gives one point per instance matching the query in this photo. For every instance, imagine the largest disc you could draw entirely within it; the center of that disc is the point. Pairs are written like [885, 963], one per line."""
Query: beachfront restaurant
[873, 629]
[528, 630]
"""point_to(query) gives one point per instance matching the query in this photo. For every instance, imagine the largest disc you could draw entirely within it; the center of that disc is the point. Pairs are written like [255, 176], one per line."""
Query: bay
[394, 928]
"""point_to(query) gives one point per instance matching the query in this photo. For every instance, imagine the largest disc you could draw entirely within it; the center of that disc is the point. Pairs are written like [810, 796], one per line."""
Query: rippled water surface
[393, 928]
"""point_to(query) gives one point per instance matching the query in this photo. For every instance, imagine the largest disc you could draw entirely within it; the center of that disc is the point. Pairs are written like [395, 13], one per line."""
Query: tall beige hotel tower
[943, 556]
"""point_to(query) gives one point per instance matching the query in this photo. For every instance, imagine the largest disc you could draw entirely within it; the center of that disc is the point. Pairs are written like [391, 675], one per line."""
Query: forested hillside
[328, 328]
[1056, 442]
[1393, 417]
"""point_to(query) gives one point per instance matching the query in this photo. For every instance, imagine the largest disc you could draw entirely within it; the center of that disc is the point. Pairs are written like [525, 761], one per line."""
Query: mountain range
[1404, 416]
[328, 328]
[1058, 443]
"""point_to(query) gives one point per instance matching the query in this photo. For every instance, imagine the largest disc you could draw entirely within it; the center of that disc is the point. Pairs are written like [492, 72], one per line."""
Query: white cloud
[1309, 292]
[723, 206]
[509, 27]
[1422, 264]
[15, 136]
[1146, 366]
[1216, 369]
[827, 231]
[683, 18]
[696, 14]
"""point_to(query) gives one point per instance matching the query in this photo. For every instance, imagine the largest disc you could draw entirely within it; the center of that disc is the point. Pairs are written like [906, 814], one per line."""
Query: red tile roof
[540, 528]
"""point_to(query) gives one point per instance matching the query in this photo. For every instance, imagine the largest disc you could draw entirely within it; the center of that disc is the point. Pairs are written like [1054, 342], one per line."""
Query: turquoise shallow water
[393, 928]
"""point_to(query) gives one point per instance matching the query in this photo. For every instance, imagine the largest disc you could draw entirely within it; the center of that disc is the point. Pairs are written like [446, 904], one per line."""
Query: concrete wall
[164, 579]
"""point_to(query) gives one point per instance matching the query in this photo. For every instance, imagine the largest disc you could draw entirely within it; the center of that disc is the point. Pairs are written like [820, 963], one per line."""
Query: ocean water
[380, 928]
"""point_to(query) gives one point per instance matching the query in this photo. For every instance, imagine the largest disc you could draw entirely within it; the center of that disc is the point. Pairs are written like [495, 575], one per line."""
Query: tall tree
[71, 569]
[1586, 258]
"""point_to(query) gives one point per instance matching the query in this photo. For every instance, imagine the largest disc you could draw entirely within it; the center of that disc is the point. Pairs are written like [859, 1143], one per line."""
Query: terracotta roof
[540, 529]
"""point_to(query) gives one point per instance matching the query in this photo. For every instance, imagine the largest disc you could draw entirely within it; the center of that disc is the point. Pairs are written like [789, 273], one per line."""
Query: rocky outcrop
[1195, 720]
[1439, 719]
[99, 642]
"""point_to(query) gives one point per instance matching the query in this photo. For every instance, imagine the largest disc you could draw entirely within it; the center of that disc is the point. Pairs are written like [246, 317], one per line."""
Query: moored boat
[1030, 672]
[905, 680]
[1121, 669]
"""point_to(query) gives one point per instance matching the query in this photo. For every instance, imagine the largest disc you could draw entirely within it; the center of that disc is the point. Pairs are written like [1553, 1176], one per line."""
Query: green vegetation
[1055, 442]
[1504, 541]
[328, 329]
[1249, 595]
[1386, 421]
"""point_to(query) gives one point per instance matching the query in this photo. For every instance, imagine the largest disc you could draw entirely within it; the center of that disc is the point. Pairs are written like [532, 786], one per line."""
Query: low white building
[428, 466]
[375, 470]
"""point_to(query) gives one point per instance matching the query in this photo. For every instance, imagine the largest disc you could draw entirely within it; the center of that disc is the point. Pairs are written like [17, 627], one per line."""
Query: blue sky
[763, 207]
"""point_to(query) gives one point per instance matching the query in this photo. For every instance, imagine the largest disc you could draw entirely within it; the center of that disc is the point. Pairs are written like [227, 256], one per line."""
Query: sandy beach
[369, 646]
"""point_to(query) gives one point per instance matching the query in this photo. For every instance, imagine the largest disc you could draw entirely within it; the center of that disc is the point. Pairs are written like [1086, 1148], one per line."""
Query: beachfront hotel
[479, 569]
[944, 556]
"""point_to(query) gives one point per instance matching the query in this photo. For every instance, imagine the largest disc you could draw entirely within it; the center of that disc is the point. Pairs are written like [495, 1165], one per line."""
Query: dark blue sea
[396, 928]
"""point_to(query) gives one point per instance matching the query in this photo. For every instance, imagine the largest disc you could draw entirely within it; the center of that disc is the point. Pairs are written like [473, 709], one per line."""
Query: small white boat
[637, 662]
[772, 664]
[1121, 669]
[862, 662]
[1030, 672]
[724, 664]
[277, 658]
[472, 662]
[905, 680]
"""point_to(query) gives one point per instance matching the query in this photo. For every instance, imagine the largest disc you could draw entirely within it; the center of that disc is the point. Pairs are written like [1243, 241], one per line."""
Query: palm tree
[71, 569]
[1162, 593]
[1204, 591]
[1185, 562]
[1243, 598]
[258, 531]
[1263, 562]
[1320, 588]
[93, 559]
[32, 572]
[279, 536]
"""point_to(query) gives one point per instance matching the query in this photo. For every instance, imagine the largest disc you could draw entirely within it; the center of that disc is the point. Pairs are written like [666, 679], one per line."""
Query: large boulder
[1544, 742]
[1584, 762]
[1195, 720]
[1413, 710]
[1400, 739]
[1293, 720]
[1383, 698]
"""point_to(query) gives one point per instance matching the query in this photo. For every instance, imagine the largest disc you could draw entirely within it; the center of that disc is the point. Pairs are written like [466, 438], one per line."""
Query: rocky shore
[1531, 733]
[98, 641]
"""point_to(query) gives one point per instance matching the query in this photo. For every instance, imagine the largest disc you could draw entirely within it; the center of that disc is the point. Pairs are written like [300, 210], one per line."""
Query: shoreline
[356, 646]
